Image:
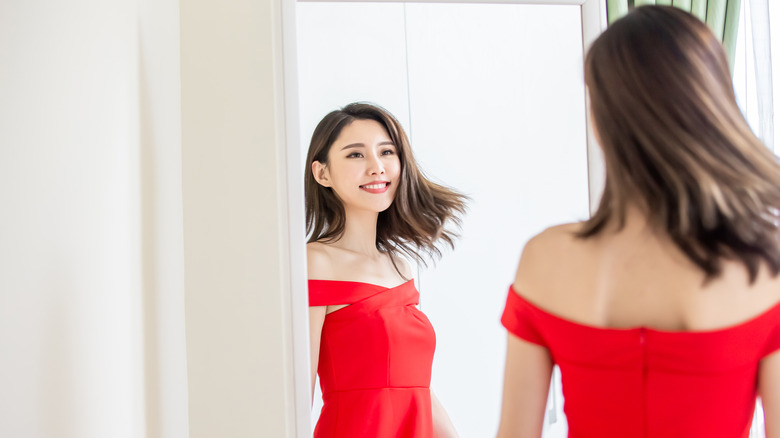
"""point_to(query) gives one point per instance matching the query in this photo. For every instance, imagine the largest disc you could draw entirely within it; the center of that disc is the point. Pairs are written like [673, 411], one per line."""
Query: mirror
[493, 100]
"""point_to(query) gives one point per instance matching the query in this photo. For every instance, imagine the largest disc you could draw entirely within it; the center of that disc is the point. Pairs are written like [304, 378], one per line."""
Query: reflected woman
[367, 203]
[662, 310]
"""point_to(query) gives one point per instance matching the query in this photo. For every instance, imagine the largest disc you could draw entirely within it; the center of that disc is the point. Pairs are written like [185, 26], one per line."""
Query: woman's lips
[377, 187]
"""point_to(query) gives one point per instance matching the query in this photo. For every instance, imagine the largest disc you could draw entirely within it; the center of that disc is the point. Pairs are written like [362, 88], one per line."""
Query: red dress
[375, 361]
[642, 382]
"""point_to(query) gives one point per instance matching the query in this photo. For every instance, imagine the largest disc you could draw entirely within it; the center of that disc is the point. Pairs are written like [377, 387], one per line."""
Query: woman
[366, 203]
[661, 309]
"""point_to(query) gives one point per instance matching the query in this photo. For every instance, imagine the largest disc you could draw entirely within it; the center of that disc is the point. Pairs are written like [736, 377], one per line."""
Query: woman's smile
[376, 187]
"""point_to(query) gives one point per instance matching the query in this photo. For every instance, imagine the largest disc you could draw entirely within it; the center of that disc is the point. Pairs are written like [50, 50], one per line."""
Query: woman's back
[661, 309]
[636, 277]
[646, 348]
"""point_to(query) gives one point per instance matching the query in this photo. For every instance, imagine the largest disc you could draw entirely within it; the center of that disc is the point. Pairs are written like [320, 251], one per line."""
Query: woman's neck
[359, 232]
[637, 223]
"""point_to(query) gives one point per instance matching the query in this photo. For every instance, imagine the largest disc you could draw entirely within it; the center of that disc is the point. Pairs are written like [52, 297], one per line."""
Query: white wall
[498, 112]
[348, 53]
[492, 112]
[71, 347]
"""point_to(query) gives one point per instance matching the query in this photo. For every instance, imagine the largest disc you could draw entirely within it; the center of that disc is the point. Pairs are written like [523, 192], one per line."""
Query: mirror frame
[594, 21]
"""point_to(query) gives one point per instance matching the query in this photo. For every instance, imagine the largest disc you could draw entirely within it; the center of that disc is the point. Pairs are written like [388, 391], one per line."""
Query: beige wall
[140, 152]
[235, 220]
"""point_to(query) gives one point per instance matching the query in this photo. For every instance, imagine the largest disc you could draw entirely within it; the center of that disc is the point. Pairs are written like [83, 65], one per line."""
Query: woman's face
[363, 167]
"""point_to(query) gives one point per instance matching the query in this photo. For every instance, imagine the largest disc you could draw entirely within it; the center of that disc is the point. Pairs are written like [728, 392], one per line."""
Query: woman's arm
[442, 425]
[528, 366]
[526, 385]
[318, 263]
[769, 390]
[316, 319]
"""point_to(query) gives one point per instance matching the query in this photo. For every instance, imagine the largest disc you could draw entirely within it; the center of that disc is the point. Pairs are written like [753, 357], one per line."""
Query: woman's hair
[676, 144]
[415, 221]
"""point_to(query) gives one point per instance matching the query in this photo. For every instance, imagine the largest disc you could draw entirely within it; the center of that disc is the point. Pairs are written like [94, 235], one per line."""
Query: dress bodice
[375, 361]
[642, 382]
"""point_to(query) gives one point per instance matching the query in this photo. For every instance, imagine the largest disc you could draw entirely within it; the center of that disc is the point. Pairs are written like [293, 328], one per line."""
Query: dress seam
[376, 389]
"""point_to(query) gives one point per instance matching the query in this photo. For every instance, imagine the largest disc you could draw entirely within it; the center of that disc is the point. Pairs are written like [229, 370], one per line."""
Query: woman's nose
[376, 167]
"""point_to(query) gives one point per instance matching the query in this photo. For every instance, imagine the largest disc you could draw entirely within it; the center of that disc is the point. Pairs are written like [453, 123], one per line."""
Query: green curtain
[722, 16]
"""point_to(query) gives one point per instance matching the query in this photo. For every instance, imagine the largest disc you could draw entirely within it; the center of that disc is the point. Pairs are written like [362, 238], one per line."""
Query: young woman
[662, 309]
[366, 204]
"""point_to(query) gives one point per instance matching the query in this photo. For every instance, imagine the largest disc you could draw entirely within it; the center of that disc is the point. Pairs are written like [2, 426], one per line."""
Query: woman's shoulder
[546, 256]
[320, 259]
[402, 265]
[553, 239]
[322, 264]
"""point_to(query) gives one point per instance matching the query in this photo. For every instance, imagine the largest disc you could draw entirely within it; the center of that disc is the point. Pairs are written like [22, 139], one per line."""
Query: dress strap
[520, 318]
[335, 292]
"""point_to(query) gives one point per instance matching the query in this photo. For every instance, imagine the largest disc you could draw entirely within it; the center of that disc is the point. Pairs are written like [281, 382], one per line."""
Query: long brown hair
[415, 223]
[676, 144]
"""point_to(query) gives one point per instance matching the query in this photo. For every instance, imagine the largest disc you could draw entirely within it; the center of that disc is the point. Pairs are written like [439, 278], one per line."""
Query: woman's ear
[321, 174]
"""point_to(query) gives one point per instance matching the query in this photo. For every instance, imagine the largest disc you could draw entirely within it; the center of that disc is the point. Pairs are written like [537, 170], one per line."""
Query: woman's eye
[355, 155]
[388, 152]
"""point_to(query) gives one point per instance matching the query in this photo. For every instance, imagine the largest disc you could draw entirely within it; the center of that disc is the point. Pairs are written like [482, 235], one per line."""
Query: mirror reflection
[492, 98]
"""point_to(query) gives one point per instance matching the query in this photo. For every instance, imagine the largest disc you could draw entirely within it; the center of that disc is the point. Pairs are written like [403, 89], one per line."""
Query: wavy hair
[415, 223]
[676, 144]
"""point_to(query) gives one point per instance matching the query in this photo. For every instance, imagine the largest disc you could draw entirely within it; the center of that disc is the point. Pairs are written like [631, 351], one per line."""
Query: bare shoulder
[556, 236]
[319, 260]
[545, 254]
[550, 244]
[404, 268]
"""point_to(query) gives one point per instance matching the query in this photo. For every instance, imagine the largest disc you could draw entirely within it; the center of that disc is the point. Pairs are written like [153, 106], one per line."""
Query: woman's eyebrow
[353, 145]
[360, 145]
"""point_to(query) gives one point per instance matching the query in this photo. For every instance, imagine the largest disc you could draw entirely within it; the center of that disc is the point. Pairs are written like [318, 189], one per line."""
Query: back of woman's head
[676, 144]
[416, 220]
